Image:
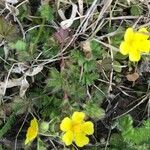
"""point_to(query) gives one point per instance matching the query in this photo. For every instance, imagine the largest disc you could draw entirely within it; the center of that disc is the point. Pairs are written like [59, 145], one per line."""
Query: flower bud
[44, 126]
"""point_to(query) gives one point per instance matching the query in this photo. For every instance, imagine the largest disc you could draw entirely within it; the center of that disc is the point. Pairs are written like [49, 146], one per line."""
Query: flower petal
[134, 56]
[124, 48]
[34, 123]
[81, 140]
[88, 127]
[66, 124]
[31, 135]
[32, 131]
[78, 117]
[141, 34]
[68, 138]
[145, 46]
[129, 34]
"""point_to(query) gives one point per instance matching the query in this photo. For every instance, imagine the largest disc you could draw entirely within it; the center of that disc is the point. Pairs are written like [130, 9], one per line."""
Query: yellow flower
[32, 131]
[135, 43]
[76, 129]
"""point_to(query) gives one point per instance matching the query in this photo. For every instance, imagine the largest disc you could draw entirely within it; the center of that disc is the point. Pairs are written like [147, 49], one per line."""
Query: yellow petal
[81, 140]
[32, 131]
[129, 34]
[88, 127]
[134, 56]
[66, 124]
[143, 30]
[68, 138]
[141, 35]
[145, 46]
[34, 123]
[27, 141]
[78, 117]
[124, 48]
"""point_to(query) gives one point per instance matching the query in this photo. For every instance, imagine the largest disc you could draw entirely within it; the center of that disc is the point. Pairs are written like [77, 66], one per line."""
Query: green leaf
[20, 45]
[136, 10]
[56, 80]
[7, 125]
[117, 66]
[46, 12]
[94, 111]
[50, 48]
[125, 123]
[89, 78]
[96, 49]
[133, 135]
[119, 56]
[89, 66]
[40, 145]
[106, 63]
[77, 56]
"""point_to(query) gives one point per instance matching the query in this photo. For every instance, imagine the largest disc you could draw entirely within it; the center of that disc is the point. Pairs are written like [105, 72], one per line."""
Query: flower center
[77, 128]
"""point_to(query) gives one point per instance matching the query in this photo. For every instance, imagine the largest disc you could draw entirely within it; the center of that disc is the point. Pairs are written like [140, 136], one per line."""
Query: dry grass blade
[106, 5]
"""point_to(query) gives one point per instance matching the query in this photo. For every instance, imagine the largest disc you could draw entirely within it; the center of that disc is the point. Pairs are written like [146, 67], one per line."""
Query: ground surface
[58, 57]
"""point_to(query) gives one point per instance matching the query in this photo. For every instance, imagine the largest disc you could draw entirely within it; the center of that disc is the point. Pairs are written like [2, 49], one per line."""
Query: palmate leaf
[56, 80]
[96, 49]
[136, 135]
[89, 78]
[94, 111]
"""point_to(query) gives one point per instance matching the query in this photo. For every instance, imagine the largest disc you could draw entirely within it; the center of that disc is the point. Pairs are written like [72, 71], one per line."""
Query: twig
[107, 45]
[21, 28]
[142, 101]
[107, 3]
[111, 73]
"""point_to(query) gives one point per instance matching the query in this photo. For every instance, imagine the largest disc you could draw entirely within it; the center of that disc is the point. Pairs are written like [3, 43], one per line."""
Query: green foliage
[23, 12]
[40, 145]
[89, 1]
[80, 81]
[106, 63]
[117, 143]
[44, 126]
[7, 126]
[134, 135]
[136, 10]
[94, 111]
[46, 12]
[116, 40]
[10, 121]
[49, 107]
[24, 56]
[68, 81]
[50, 48]
[96, 49]
[89, 78]
[119, 56]
[20, 45]
[131, 138]
[56, 80]
[117, 66]
[89, 74]
[1, 52]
